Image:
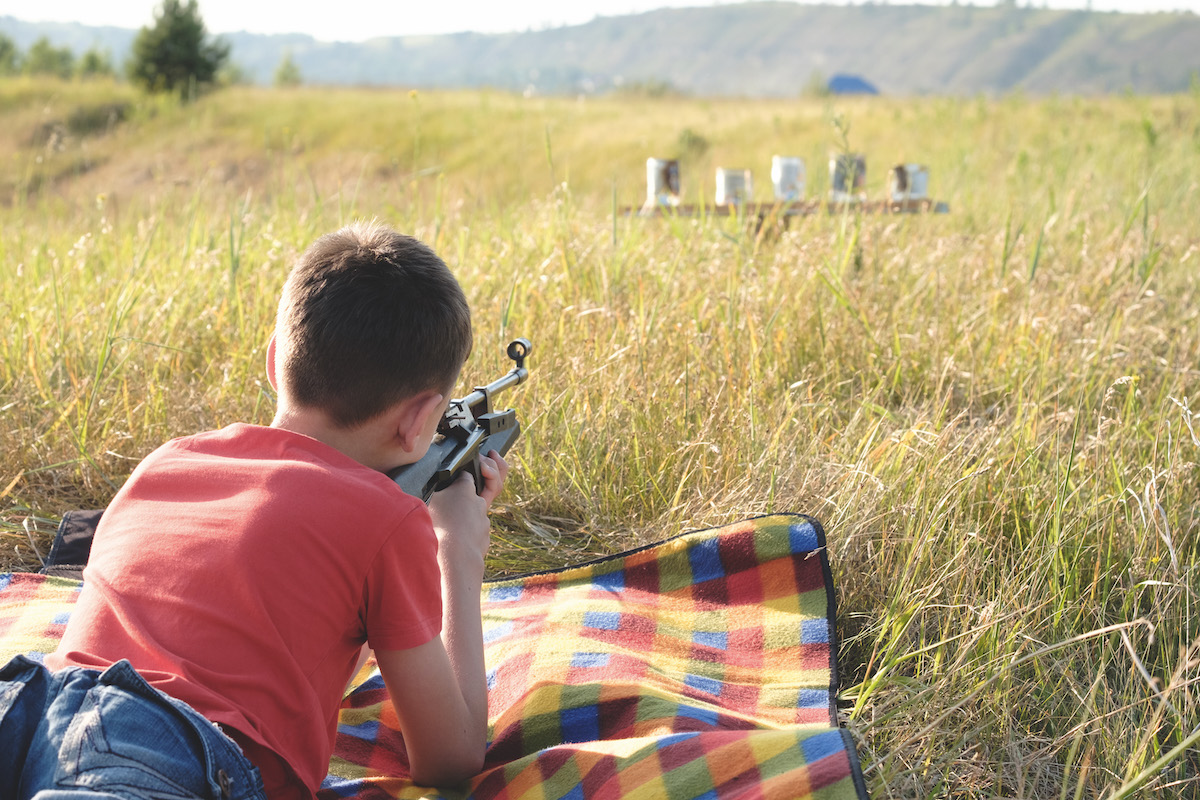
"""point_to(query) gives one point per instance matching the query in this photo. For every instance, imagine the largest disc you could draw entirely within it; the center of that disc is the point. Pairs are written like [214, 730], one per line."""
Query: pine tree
[172, 55]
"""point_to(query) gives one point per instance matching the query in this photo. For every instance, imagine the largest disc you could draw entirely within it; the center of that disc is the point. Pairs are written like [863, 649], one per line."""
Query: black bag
[72, 544]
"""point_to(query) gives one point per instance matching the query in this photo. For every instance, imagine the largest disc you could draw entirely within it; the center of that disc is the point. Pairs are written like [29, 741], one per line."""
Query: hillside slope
[751, 49]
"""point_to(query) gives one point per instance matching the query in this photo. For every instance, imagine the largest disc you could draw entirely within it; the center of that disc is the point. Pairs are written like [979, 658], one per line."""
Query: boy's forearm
[462, 636]
[460, 521]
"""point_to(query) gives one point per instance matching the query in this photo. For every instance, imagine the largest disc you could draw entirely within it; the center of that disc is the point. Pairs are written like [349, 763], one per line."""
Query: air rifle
[470, 428]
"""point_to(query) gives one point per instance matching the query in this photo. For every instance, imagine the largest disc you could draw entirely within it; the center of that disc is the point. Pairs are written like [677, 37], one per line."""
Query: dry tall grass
[994, 413]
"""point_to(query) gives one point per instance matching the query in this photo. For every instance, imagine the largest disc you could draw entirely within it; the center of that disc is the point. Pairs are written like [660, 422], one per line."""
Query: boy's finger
[489, 473]
[461, 483]
[493, 476]
[501, 464]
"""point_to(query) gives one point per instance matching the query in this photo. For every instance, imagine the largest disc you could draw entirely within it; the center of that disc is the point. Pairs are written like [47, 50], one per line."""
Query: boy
[243, 572]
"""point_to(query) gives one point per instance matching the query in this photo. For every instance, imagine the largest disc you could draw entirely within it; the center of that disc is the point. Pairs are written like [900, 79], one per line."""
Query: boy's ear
[271, 379]
[412, 417]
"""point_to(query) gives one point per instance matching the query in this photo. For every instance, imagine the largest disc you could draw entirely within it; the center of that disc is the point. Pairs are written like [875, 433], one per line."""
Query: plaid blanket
[699, 667]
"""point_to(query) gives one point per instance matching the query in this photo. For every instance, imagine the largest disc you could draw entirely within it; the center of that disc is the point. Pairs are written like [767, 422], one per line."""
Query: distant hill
[752, 49]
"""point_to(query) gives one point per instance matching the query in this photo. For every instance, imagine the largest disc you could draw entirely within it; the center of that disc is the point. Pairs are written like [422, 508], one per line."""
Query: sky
[356, 20]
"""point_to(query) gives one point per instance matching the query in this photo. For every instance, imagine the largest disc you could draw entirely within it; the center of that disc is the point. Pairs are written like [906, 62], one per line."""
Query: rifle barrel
[514, 377]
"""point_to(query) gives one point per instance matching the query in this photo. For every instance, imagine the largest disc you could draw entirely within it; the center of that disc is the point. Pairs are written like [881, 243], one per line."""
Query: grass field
[990, 411]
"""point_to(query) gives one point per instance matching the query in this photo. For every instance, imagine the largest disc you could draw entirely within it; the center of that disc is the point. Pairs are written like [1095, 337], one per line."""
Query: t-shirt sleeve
[403, 588]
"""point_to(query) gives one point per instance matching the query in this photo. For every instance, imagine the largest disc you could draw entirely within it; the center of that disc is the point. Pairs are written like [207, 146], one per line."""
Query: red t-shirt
[241, 571]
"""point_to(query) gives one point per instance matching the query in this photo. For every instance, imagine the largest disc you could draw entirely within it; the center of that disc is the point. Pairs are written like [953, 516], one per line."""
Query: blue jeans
[79, 732]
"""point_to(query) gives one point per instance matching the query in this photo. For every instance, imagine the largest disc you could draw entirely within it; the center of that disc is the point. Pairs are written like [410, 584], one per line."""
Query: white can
[734, 186]
[909, 182]
[662, 182]
[847, 177]
[787, 176]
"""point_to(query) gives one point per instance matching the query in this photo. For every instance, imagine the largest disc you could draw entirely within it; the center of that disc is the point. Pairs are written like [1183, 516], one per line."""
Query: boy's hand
[460, 516]
[494, 470]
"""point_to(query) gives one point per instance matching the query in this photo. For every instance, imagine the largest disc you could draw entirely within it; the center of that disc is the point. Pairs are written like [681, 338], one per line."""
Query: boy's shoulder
[248, 488]
[282, 464]
[242, 440]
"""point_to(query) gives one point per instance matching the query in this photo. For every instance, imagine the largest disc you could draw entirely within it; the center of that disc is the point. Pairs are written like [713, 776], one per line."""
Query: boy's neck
[357, 443]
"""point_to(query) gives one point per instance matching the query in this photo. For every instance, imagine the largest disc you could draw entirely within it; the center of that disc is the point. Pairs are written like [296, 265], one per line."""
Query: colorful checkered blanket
[699, 667]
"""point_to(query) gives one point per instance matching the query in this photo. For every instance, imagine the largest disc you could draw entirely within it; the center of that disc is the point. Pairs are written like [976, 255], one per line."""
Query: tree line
[172, 54]
[43, 58]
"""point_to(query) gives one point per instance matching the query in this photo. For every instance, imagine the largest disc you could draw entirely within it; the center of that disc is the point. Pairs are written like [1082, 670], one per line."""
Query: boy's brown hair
[367, 318]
